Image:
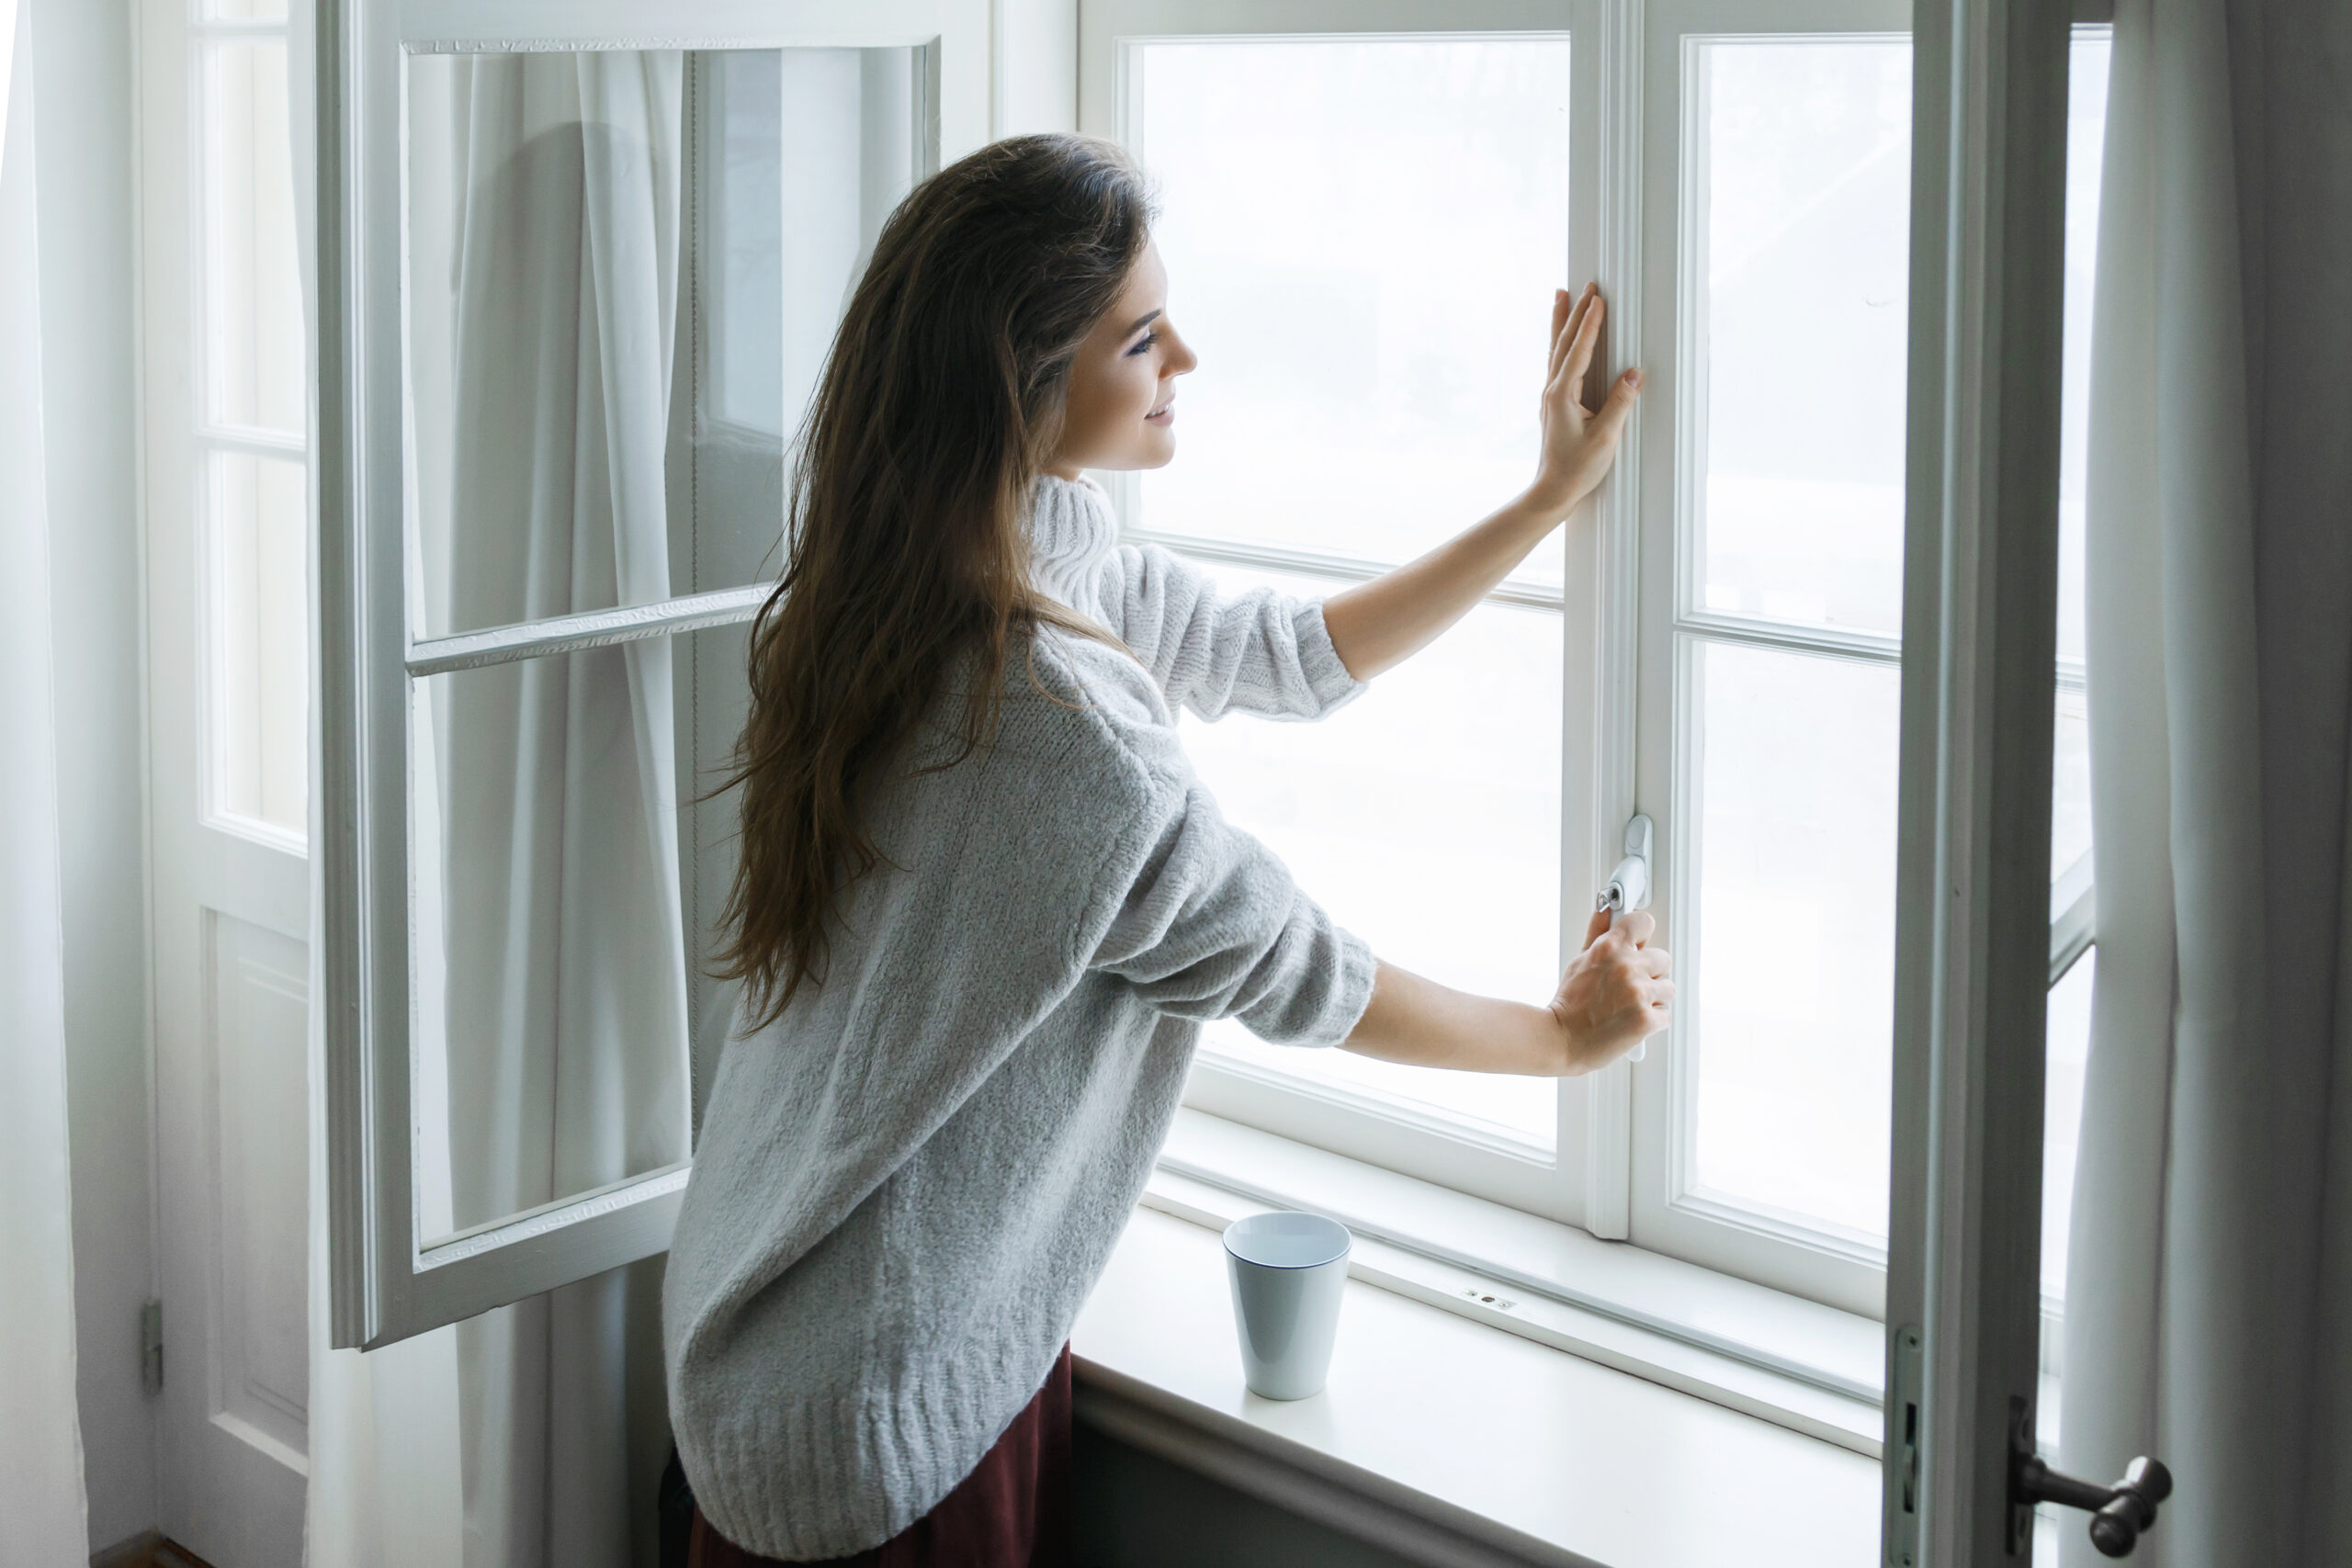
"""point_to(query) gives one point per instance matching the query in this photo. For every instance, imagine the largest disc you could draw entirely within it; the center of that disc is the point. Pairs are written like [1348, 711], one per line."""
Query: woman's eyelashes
[1143, 343]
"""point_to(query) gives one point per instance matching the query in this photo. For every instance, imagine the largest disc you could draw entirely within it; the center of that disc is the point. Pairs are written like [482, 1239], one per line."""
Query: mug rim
[1344, 1240]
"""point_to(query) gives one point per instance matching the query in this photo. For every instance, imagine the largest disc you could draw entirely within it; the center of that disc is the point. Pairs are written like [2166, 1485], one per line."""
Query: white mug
[1288, 1271]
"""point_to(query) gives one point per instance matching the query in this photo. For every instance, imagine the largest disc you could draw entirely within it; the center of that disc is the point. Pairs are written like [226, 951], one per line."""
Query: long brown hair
[906, 565]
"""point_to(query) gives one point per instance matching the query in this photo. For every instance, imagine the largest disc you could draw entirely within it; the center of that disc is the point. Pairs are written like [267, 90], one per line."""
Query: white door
[225, 479]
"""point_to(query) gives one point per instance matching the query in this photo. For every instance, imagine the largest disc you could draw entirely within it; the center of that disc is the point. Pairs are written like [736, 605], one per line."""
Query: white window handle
[1629, 885]
[1629, 888]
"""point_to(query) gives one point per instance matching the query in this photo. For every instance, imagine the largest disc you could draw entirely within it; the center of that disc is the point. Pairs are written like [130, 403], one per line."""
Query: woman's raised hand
[1579, 443]
[1616, 993]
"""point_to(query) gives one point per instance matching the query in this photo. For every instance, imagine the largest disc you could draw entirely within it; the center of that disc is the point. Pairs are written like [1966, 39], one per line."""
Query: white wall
[82, 64]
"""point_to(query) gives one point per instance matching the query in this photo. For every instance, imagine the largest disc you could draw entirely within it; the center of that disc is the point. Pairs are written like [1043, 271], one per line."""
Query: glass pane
[1362, 237]
[252, 330]
[2070, 811]
[2068, 1042]
[563, 884]
[619, 292]
[1787, 1004]
[257, 624]
[1426, 817]
[244, 10]
[1801, 176]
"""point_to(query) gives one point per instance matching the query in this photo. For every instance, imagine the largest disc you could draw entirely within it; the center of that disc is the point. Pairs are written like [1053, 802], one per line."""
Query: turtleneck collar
[1071, 532]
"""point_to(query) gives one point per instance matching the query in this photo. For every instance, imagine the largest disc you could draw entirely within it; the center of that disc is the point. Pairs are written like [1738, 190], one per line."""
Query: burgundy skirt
[1013, 1511]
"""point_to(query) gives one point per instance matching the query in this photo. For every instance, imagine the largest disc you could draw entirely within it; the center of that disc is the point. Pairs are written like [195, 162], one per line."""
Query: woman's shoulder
[1090, 692]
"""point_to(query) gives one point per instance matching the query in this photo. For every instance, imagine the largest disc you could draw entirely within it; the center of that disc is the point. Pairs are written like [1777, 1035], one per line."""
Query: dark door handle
[2119, 1514]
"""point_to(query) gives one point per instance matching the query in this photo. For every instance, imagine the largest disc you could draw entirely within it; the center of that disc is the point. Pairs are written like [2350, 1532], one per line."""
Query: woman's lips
[1165, 413]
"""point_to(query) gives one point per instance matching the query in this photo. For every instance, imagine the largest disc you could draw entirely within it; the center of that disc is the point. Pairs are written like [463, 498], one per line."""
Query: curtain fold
[2209, 1317]
[42, 1495]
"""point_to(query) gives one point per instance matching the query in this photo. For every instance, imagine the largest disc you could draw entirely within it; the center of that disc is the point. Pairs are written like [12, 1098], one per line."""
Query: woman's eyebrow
[1142, 321]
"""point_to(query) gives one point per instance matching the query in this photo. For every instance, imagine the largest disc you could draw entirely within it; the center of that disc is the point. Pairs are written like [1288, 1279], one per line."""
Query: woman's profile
[983, 905]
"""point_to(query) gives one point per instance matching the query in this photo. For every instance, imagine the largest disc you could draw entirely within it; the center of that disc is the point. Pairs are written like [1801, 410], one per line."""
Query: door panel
[228, 744]
[255, 1036]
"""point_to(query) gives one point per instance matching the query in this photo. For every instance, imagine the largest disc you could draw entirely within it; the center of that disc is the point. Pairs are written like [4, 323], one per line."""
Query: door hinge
[150, 1346]
[1903, 1429]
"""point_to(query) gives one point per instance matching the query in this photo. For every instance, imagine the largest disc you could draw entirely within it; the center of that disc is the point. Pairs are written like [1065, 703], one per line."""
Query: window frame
[386, 1285]
[1667, 1214]
[1613, 1166]
[1580, 1179]
[212, 437]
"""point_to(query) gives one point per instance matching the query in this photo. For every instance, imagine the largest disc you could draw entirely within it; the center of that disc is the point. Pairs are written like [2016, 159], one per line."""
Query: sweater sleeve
[1258, 652]
[1212, 926]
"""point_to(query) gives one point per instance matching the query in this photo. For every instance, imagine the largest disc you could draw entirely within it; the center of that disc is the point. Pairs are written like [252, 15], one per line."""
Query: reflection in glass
[252, 328]
[257, 624]
[563, 884]
[2070, 811]
[1426, 817]
[1801, 170]
[1362, 237]
[1788, 995]
[2068, 1042]
[623, 269]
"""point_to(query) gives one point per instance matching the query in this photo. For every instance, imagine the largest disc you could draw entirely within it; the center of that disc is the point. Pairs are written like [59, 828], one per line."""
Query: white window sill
[1811, 1368]
[1450, 1442]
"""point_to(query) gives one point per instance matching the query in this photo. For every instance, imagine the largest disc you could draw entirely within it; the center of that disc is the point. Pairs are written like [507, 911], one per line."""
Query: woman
[984, 906]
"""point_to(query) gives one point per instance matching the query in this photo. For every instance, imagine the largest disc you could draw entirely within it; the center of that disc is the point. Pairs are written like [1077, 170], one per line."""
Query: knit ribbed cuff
[1319, 661]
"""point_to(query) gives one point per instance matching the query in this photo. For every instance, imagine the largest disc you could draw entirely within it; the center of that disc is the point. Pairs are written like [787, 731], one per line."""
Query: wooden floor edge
[148, 1549]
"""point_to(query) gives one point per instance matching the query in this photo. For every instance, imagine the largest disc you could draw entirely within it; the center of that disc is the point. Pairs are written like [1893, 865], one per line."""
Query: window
[533, 681]
[599, 284]
[1362, 230]
[251, 478]
[1362, 233]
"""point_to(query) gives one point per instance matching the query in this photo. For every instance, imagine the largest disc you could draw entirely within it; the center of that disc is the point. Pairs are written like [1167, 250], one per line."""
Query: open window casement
[580, 270]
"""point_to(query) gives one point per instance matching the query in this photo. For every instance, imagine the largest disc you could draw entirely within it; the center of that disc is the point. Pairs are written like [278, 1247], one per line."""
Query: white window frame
[1580, 1180]
[212, 437]
[1615, 1168]
[1666, 1214]
[387, 1284]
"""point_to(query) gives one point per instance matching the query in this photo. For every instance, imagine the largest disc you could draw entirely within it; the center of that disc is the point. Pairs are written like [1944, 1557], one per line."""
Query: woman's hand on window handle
[1379, 623]
[1615, 994]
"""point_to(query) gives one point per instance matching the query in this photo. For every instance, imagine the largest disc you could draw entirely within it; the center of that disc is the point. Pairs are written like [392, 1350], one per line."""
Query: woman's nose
[1180, 357]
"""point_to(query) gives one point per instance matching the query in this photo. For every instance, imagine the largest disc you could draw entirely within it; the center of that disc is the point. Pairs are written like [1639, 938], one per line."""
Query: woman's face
[1121, 412]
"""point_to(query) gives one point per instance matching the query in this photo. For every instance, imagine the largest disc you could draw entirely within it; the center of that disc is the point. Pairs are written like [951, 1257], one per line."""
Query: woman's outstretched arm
[1615, 994]
[1380, 622]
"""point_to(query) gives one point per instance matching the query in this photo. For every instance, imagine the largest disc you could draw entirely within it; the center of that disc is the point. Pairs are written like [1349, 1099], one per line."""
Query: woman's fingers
[1637, 926]
[1619, 405]
[1582, 343]
[1564, 328]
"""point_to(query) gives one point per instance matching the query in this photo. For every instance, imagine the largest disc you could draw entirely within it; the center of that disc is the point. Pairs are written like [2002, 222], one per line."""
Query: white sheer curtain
[565, 969]
[42, 1514]
[2209, 1298]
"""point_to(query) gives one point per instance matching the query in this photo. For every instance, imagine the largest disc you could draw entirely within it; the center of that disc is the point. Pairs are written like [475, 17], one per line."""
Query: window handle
[1629, 888]
[2120, 1513]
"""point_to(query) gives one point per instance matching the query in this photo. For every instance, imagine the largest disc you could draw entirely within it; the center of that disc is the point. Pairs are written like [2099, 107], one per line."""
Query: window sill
[1448, 1440]
[1796, 1363]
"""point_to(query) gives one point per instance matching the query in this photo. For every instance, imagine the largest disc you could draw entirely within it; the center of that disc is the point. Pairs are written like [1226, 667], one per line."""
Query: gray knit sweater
[906, 1185]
